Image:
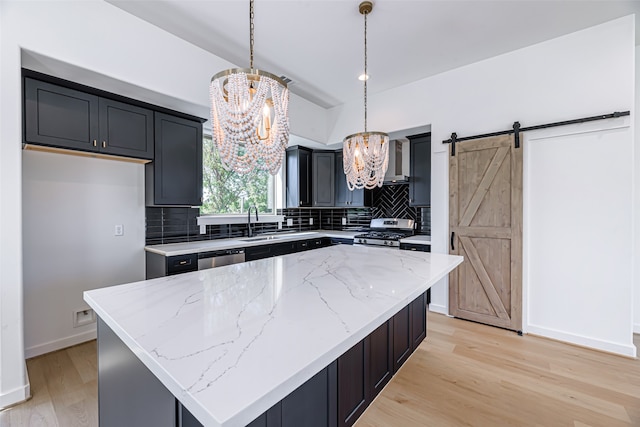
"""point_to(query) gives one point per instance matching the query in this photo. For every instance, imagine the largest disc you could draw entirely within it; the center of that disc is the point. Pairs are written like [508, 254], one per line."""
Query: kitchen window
[228, 193]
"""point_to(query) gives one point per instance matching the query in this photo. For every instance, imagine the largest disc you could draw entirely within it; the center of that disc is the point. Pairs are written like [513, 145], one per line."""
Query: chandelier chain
[251, 28]
[366, 77]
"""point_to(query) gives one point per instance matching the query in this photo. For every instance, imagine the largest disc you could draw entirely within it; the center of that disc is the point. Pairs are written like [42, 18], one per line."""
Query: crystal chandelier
[250, 116]
[365, 154]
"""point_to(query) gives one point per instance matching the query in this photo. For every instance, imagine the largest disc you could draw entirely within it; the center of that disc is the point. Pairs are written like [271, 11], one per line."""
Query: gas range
[386, 232]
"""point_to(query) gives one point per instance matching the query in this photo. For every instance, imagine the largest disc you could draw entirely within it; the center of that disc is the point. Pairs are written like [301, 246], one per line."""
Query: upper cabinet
[66, 118]
[175, 176]
[323, 175]
[298, 177]
[343, 196]
[420, 170]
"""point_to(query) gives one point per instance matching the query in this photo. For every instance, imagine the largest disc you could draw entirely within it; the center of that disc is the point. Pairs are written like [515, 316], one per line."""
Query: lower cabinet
[129, 394]
[380, 358]
[310, 405]
[353, 383]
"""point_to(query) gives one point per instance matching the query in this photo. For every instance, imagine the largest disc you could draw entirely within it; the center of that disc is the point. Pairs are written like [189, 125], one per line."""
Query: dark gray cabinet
[125, 130]
[67, 118]
[298, 191]
[130, 395]
[401, 337]
[409, 329]
[323, 176]
[420, 170]
[353, 383]
[418, 310]
[343, 196]
[380, 358]
[175, 176]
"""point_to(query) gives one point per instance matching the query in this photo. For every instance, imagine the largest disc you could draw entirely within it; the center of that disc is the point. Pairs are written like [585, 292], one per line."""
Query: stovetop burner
[383, 235]
[386, 232]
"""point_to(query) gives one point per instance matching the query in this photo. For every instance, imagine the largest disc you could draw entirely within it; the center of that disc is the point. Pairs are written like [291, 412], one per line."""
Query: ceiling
[319, 44]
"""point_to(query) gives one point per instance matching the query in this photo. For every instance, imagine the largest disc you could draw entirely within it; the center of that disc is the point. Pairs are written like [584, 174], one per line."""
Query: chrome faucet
[250, 232]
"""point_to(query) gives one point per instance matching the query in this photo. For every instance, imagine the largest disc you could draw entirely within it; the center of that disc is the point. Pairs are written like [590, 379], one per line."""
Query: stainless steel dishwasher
[219, 258]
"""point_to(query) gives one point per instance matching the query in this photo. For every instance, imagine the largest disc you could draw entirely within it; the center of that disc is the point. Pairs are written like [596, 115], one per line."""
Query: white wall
[578, 189]
[70, 208]
[582, 74]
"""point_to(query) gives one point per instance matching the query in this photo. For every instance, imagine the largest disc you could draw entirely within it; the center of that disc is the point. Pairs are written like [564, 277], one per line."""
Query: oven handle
[453, 234]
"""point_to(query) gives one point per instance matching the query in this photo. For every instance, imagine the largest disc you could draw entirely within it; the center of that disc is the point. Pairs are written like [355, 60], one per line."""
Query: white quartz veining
[230, 342]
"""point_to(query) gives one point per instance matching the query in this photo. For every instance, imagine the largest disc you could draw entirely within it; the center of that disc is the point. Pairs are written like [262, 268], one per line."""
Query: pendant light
[250, 116]
[365, 154]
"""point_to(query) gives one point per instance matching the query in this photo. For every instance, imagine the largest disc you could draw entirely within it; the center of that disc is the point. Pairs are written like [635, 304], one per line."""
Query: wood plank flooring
[468, 374]
[463, 374]
[64, 389]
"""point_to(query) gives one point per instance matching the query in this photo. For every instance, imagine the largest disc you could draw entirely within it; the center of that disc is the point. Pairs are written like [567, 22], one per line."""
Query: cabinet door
[177, 168]
[343, 196]
[418, 309]
[323, 178]
[353, 383]
[60, 117]
[380, 359]
[401, 337]
[298, 177]
[420, 170]
[341, 192]
[311, 404]
[125, 130]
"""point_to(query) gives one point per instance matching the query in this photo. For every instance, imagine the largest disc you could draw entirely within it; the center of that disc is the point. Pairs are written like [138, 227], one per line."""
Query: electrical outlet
[310, 221]
[344, 221]
[83, 317]
[119, 230]
[280, 225]
[289, 222]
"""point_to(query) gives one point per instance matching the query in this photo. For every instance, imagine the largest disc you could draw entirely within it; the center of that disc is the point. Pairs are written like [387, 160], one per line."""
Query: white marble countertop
[173, 249]
[418, 239]
[232, 341]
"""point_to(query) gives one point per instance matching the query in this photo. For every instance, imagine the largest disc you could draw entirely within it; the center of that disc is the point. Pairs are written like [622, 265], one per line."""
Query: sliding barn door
[485, 219]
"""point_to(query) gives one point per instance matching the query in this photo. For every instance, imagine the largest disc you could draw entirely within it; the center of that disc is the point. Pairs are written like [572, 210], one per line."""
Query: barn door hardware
[516, 129]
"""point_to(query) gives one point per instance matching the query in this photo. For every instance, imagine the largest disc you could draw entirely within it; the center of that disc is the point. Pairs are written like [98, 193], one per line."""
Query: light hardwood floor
[463, 374]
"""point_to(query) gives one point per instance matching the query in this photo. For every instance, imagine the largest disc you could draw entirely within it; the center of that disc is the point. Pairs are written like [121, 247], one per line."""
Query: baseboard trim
[15, 396]
[436, 308]
[50, 346]
[628, 350]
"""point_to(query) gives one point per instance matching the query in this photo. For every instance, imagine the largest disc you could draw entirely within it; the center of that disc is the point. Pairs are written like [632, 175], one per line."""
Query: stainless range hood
[398, 169]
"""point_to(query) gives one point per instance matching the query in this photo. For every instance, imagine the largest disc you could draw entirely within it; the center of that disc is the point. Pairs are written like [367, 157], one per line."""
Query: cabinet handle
[453, 235]
[104, 144]
[183, 262]
[95, 143]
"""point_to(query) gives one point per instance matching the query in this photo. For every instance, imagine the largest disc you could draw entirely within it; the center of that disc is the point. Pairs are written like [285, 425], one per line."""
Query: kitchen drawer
[182, 263]
[415, 247]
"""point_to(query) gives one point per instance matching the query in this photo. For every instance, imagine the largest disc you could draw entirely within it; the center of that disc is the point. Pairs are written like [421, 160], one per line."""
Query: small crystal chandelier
[365, 154]
[250, 116]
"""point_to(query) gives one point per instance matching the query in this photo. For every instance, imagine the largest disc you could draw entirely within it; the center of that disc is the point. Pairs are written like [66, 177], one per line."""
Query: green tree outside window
[227, 192]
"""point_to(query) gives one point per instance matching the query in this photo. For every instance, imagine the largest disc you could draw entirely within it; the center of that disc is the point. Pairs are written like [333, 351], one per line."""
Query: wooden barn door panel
[485, 181]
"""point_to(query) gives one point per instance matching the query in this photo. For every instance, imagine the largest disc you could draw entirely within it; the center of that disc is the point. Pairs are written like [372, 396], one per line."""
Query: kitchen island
[230, 343]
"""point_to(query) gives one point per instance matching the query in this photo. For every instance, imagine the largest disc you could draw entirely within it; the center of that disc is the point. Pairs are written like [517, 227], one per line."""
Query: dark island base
[129, 394]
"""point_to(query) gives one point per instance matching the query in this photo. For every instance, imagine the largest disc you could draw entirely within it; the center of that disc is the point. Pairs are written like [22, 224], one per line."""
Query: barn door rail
[516, 129]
